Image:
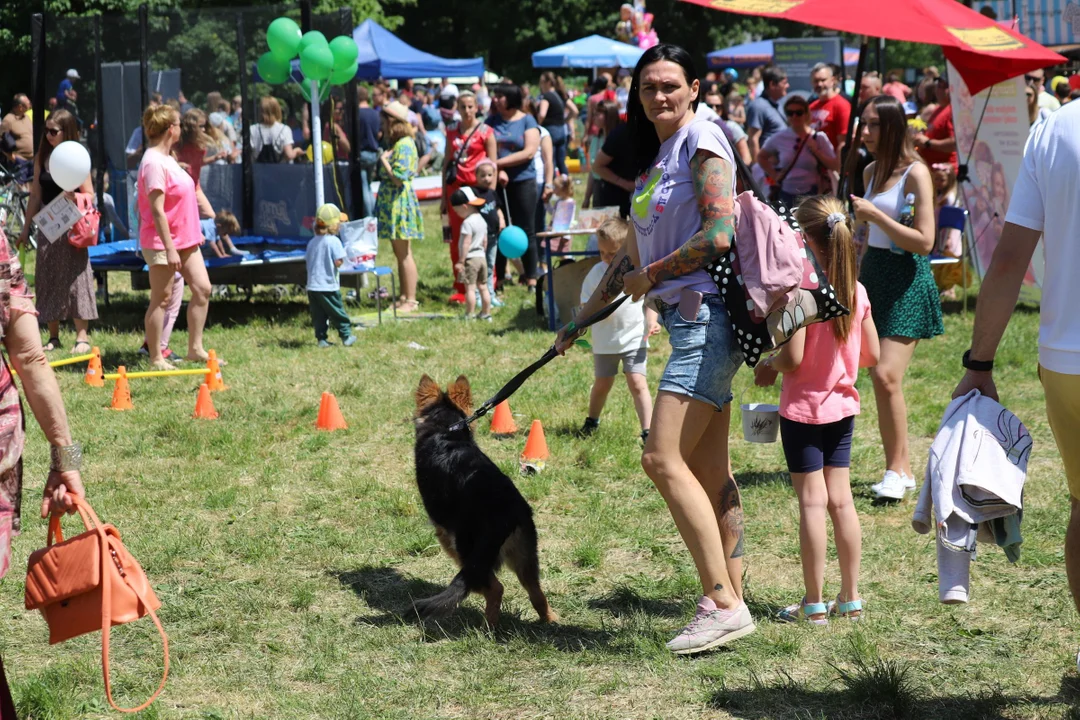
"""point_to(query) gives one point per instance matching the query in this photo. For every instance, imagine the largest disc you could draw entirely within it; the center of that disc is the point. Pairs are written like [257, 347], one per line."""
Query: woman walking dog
[682, 219]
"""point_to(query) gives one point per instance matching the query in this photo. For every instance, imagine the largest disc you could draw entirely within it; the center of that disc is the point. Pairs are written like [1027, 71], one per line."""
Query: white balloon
[69, 165]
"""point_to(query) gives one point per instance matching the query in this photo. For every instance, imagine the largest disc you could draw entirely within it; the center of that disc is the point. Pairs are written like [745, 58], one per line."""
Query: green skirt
[903, 295]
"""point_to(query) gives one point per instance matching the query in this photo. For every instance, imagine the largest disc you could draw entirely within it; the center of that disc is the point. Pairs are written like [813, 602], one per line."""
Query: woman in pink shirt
[169, 234]
[818, 405]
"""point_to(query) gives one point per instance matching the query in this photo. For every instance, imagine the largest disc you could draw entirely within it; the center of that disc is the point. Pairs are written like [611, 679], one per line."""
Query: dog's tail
[445, 602]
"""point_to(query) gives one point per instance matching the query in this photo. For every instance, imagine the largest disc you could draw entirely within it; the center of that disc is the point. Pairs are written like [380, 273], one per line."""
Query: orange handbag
[91, 582]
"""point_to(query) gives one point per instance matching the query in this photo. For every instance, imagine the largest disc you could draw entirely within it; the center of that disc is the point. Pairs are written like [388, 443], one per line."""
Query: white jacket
[977, 465]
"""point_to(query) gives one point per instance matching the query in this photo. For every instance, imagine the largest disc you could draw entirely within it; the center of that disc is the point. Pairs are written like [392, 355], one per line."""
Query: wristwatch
[63, 458]
[977, 365]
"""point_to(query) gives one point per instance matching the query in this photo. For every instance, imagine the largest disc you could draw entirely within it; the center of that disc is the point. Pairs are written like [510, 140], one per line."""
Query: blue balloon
[513, 241]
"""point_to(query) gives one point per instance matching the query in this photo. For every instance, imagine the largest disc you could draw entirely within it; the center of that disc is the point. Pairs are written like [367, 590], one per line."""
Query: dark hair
[1062, 91]
[643, 135]
[796, 100]
[894, 144]
[773, 74]
[607, 114]
[556, 82]
[512, 93]
[599, 85]
[69, 130]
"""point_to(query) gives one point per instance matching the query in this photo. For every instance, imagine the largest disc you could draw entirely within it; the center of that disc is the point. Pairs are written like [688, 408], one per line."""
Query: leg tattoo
[731, 515]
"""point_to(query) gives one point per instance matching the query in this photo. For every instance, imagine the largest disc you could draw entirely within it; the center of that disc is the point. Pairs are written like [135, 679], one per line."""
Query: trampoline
[271, 261]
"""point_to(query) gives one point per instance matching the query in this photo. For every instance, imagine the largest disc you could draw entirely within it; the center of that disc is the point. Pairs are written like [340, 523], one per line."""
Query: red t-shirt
[940, 128]
[193, 155]
[831, 117]
[471, 155]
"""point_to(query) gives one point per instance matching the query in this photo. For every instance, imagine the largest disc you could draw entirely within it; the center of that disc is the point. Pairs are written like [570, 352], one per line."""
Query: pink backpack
[770, 254]
[84, 233]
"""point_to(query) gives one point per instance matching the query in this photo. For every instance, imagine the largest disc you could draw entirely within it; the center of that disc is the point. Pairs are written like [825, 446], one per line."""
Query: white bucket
[760, 421]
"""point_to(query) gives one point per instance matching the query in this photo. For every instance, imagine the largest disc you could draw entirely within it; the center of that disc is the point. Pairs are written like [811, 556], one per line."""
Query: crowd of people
[682, 147]
[662, 145]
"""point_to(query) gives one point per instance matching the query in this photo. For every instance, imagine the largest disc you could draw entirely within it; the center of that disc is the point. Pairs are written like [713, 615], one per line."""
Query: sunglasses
[794, 113]
[1032, 80]
[52, 132]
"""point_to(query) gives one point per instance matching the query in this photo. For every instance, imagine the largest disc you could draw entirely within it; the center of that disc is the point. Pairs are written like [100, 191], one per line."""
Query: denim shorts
[704, 354]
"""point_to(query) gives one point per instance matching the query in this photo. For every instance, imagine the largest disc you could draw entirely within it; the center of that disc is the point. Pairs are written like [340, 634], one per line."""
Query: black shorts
[809, 448]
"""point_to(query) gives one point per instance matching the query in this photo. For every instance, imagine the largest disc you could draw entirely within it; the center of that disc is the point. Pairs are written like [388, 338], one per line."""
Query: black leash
[518, 380]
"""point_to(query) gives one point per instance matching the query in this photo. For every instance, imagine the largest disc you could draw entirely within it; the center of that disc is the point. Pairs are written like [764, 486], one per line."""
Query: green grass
[285, 558]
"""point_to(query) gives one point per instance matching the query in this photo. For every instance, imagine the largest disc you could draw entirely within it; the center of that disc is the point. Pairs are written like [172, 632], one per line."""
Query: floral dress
[13, 295]
[396, 206]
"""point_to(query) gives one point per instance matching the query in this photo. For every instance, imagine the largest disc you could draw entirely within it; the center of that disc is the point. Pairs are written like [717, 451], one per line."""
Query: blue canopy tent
[588, 52]
[751, 55]
[384, 55]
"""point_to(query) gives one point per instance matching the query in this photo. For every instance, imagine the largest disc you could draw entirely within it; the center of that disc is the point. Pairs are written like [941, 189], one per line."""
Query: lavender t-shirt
[664, 207]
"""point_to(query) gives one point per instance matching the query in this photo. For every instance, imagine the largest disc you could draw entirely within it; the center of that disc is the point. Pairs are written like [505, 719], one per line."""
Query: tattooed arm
[609, 288]
[713, 185]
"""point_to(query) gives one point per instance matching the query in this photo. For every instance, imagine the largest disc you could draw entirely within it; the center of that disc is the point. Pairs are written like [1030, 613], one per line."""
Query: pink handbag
[770, 255]
[84, 233]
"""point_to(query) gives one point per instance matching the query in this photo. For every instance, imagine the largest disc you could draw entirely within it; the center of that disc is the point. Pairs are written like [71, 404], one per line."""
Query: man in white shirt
[1043, 204]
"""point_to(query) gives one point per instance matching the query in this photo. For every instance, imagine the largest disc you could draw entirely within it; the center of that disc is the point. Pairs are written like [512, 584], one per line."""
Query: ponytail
[825, 219]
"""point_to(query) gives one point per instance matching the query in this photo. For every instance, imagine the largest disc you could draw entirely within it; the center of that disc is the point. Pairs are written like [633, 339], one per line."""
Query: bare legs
[406, 272]
[680, 425]
[639, 391]
[888, 377]
[711, 465]
[82, 330]
[818, 492]
[161, 290]
[1072, 552]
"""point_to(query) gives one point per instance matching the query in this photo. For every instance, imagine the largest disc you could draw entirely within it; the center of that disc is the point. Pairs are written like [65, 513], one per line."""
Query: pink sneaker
[711, 628]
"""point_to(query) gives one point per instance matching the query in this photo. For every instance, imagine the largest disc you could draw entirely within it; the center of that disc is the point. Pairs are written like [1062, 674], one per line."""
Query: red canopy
[984, 52]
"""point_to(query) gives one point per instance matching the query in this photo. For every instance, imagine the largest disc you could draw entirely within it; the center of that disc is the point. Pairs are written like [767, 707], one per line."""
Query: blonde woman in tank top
[896, 273]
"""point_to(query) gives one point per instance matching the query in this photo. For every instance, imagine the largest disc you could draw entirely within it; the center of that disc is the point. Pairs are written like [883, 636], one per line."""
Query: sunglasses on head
[795, 113]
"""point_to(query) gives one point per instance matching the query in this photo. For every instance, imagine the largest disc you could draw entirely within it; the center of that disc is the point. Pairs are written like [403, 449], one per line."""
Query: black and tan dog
[480, 518]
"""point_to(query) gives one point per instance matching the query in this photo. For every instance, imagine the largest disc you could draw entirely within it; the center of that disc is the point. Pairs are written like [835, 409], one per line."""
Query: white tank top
[890, 202]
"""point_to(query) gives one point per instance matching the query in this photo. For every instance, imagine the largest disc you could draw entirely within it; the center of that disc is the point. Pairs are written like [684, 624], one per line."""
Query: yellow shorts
[1063, 411]
[160, 257]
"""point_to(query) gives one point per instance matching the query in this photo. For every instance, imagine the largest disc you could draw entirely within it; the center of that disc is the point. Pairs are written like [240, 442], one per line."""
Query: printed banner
[799, 56]
[993, 153]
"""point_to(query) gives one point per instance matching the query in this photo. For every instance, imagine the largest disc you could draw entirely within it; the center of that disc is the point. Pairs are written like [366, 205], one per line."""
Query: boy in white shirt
[623, 336]
[471, 268]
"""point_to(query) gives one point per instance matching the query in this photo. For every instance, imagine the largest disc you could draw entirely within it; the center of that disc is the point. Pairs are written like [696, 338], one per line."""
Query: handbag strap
[457, 155]
[794, 160]
[89, 518]
[107, 554]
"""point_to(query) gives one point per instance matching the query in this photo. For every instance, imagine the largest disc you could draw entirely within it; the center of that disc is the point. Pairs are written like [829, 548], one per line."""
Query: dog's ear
[461, 394]
[427, 394]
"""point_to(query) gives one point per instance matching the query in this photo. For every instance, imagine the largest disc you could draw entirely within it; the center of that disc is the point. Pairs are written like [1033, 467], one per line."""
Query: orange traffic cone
[94, 374]
[502, 422]
[121, 397]
[536, 449]
[330, 414]
[213, 374]
[204, 406]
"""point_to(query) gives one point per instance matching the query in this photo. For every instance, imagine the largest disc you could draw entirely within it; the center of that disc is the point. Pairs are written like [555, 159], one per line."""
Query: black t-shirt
[369, 125]
[621, 150]
[556, 114]
[489, 212]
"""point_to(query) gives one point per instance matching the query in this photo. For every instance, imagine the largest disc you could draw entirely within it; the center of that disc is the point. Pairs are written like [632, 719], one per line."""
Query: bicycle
[13, 200]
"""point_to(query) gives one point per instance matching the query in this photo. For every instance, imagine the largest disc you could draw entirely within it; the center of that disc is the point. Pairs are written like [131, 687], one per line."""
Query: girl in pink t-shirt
[818, 405]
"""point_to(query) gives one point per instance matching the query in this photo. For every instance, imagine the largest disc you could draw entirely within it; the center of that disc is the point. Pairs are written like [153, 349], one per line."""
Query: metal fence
[204, 58]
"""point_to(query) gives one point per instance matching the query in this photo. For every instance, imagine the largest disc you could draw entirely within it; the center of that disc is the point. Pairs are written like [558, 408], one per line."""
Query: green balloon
[342, 76]
[316, 62]
[345, 51]
[283, 37]
[312, 37]
[272, 69]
